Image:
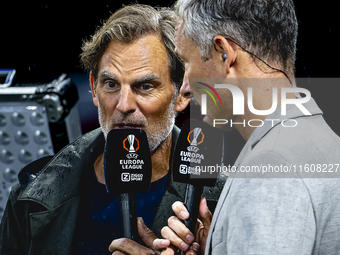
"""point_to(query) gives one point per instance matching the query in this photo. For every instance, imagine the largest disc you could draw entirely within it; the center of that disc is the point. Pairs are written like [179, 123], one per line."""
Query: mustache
[129, 120]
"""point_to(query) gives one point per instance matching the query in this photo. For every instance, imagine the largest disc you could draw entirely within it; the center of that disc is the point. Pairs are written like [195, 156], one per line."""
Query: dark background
[41, 40]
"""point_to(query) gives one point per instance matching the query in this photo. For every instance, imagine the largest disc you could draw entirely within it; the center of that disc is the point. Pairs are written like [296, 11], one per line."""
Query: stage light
[35, 120]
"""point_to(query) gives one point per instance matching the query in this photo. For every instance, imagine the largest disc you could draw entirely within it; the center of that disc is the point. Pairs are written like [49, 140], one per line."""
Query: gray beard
[156, 134]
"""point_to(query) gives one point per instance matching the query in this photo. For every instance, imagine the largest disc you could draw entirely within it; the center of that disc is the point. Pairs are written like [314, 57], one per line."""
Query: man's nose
[185, 89]
[127, 101]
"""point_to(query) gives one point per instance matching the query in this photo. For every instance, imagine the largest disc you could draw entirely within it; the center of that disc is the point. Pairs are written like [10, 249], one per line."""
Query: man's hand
[128, 246]
[180, 236]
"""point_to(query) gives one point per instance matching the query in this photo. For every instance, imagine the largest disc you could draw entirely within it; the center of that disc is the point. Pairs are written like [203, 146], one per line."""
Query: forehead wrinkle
[137, 62]
[148, 77]
[115, 57]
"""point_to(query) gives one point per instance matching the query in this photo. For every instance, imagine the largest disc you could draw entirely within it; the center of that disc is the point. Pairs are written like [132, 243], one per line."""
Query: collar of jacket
[64, 175]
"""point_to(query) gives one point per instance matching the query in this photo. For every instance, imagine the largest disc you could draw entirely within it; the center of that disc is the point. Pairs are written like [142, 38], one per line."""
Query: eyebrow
[148, 78]
[142, 79]
[106, 74]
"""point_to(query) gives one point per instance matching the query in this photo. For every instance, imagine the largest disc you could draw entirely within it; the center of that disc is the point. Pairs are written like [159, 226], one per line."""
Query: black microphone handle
[192, 200]
[128, 212]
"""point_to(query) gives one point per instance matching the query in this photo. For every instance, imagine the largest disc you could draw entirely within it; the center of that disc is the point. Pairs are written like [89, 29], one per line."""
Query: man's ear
[181, 103]
[93, 90]
[228, 48]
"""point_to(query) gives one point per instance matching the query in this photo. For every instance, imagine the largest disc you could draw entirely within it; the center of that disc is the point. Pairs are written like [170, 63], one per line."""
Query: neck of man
[159, 158]
[262, 97]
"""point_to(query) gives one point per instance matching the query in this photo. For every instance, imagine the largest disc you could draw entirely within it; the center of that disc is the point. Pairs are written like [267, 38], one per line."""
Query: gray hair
[267, 28]
[129, 24]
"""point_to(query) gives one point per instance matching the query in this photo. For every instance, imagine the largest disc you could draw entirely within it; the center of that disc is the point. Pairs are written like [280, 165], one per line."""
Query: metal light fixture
[35, 120]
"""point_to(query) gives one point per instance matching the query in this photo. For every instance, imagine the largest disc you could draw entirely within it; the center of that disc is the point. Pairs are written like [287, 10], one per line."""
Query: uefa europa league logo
[129, 144]
[131, 139]
[197, 132]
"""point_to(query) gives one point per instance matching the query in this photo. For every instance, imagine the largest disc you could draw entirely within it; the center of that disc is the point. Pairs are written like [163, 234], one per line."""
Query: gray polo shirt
[295, 208]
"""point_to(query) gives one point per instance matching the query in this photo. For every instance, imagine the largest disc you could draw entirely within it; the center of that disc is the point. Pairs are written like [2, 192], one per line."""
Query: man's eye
[110, 84]
[145, 86]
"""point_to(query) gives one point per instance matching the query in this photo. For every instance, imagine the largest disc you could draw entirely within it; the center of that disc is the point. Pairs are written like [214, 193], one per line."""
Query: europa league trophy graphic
[197, 132]
[131, 139]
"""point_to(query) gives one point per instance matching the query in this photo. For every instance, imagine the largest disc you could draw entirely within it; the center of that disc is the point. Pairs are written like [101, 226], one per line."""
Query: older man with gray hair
[297, 212]
[61, 205]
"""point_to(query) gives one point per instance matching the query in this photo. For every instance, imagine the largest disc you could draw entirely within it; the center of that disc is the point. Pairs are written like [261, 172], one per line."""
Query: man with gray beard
[61, 205]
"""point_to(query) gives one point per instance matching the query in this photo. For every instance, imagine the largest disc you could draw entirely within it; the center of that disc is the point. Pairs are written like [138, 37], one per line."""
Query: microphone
[127, 171]
[198, 152]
